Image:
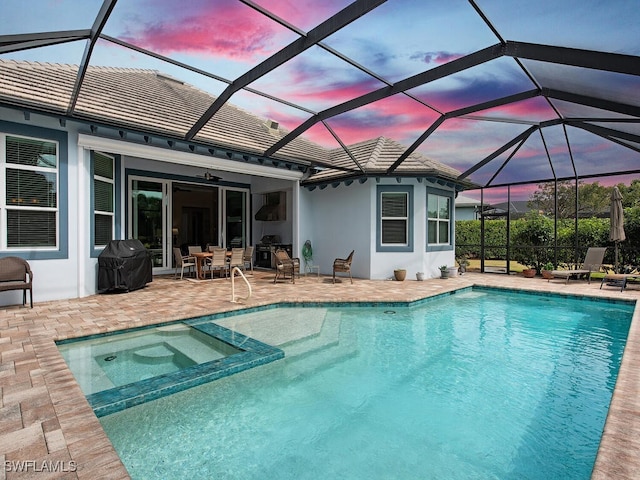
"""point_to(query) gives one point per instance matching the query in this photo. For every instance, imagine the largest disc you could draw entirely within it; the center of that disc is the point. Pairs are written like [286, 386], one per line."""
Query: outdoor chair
[218, 261]
[285, 265]
[182, 262]
[343, 265]
[194, 249]
[237, 259]
[621, 279]
[592, 263]
[15, 274]
[248, 258]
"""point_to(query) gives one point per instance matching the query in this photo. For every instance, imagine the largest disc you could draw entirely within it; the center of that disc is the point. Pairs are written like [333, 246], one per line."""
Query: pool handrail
[233, 285]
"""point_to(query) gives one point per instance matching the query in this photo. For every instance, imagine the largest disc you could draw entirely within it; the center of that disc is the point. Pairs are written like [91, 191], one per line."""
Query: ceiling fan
[210, 177]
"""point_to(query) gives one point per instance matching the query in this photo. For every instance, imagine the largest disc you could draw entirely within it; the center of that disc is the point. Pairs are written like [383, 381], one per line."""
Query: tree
[630, 194]
[593, 199]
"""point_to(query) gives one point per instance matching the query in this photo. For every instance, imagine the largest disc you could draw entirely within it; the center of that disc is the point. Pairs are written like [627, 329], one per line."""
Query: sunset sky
[396, 40]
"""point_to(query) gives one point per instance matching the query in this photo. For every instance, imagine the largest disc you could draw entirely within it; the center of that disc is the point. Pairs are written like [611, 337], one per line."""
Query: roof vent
[272, 124]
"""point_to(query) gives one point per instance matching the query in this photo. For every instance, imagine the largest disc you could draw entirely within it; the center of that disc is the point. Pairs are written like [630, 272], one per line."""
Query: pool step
[156, 354]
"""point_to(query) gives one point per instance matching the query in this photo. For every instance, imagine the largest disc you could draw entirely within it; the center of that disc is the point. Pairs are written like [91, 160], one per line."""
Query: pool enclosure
[355, 99]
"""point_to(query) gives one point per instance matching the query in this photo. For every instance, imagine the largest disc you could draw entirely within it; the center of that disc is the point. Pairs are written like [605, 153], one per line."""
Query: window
[30, 201]
[395, 227]
[103, 198]
[438, 220]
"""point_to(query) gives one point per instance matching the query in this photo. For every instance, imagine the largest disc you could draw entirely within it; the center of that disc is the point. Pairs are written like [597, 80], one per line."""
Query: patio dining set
[213, 259]
[219, 259]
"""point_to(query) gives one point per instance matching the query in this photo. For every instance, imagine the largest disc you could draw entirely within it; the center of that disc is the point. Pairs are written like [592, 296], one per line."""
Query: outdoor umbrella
[616, 232]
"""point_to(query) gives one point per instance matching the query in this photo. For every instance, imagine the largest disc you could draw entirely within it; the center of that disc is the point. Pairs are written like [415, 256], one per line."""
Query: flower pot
[453, 271]
[420, 276]
[529, 272]
[547, 274]
[400, 275]
[444, 273]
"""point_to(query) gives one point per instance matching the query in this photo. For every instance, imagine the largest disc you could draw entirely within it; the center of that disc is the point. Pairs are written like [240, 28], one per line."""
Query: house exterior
[467, 208]
[117, 166]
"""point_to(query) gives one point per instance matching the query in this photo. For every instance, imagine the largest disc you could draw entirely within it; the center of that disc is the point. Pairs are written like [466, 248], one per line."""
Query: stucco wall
[54, 278]
[337, 220]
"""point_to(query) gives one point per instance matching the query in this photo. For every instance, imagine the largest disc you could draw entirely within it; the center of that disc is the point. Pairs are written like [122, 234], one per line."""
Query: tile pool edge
[254, 353]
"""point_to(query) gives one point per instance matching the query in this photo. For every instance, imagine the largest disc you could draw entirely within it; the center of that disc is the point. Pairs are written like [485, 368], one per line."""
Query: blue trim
[63, 189]
[408, 189]
[441, 193]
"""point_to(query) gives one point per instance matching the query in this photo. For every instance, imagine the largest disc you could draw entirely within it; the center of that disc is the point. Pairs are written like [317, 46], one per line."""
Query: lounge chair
[343, 265]
[285, 265]
[618, 279]
[592, 263]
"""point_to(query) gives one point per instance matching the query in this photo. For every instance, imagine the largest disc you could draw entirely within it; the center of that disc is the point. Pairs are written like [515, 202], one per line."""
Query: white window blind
[103, 198]
[30, 168]
[394, 218]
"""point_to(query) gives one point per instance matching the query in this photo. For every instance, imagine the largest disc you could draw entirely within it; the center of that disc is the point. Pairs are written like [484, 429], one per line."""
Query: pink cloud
[304, 14]
[226, 29]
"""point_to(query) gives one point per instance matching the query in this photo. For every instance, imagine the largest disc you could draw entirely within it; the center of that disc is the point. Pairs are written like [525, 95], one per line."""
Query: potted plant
[463, 263]
[546, 270]
[399, 274]
[307, 254]
[529, 272]
[444, 271]
[420, 276]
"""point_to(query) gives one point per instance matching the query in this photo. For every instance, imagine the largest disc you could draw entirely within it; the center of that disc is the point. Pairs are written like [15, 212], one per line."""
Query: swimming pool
[480, 384]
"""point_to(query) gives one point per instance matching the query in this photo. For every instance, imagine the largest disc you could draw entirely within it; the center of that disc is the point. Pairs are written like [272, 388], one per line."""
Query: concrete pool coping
[45, 418]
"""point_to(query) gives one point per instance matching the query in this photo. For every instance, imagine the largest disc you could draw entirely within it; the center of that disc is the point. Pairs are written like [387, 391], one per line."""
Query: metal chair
[218, 261]
[237, 259]
[248, 257]
[182, 262]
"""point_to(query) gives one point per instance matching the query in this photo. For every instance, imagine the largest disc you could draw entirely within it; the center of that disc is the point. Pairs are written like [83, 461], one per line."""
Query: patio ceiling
[504, 91]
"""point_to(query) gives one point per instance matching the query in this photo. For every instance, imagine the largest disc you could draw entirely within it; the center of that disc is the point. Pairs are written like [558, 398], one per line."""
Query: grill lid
[269, 239]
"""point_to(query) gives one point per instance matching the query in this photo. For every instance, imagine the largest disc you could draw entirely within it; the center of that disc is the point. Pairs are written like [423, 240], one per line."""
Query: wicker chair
[343, 265]
[15, 274]
[285, 265]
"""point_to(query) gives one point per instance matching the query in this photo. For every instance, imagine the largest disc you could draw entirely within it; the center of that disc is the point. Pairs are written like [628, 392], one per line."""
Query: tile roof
[151, 102]
[375, 156]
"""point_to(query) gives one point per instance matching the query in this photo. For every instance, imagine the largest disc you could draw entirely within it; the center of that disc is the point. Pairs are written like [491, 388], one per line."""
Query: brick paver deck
[48, 430]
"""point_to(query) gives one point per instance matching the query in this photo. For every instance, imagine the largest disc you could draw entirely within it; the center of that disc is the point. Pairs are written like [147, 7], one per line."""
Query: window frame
[60, 249]
[97, 249]
[385, 247]
[439, 247]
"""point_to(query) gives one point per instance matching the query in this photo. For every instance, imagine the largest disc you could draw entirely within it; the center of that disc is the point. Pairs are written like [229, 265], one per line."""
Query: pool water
[106, 362]
[480, 384]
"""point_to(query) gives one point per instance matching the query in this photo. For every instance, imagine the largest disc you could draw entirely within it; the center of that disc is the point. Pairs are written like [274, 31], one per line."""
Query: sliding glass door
[148, 217]
[163, 214]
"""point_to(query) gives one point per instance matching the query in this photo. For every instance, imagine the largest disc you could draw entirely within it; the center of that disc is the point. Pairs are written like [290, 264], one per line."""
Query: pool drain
[390, 312]
[110, 357]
